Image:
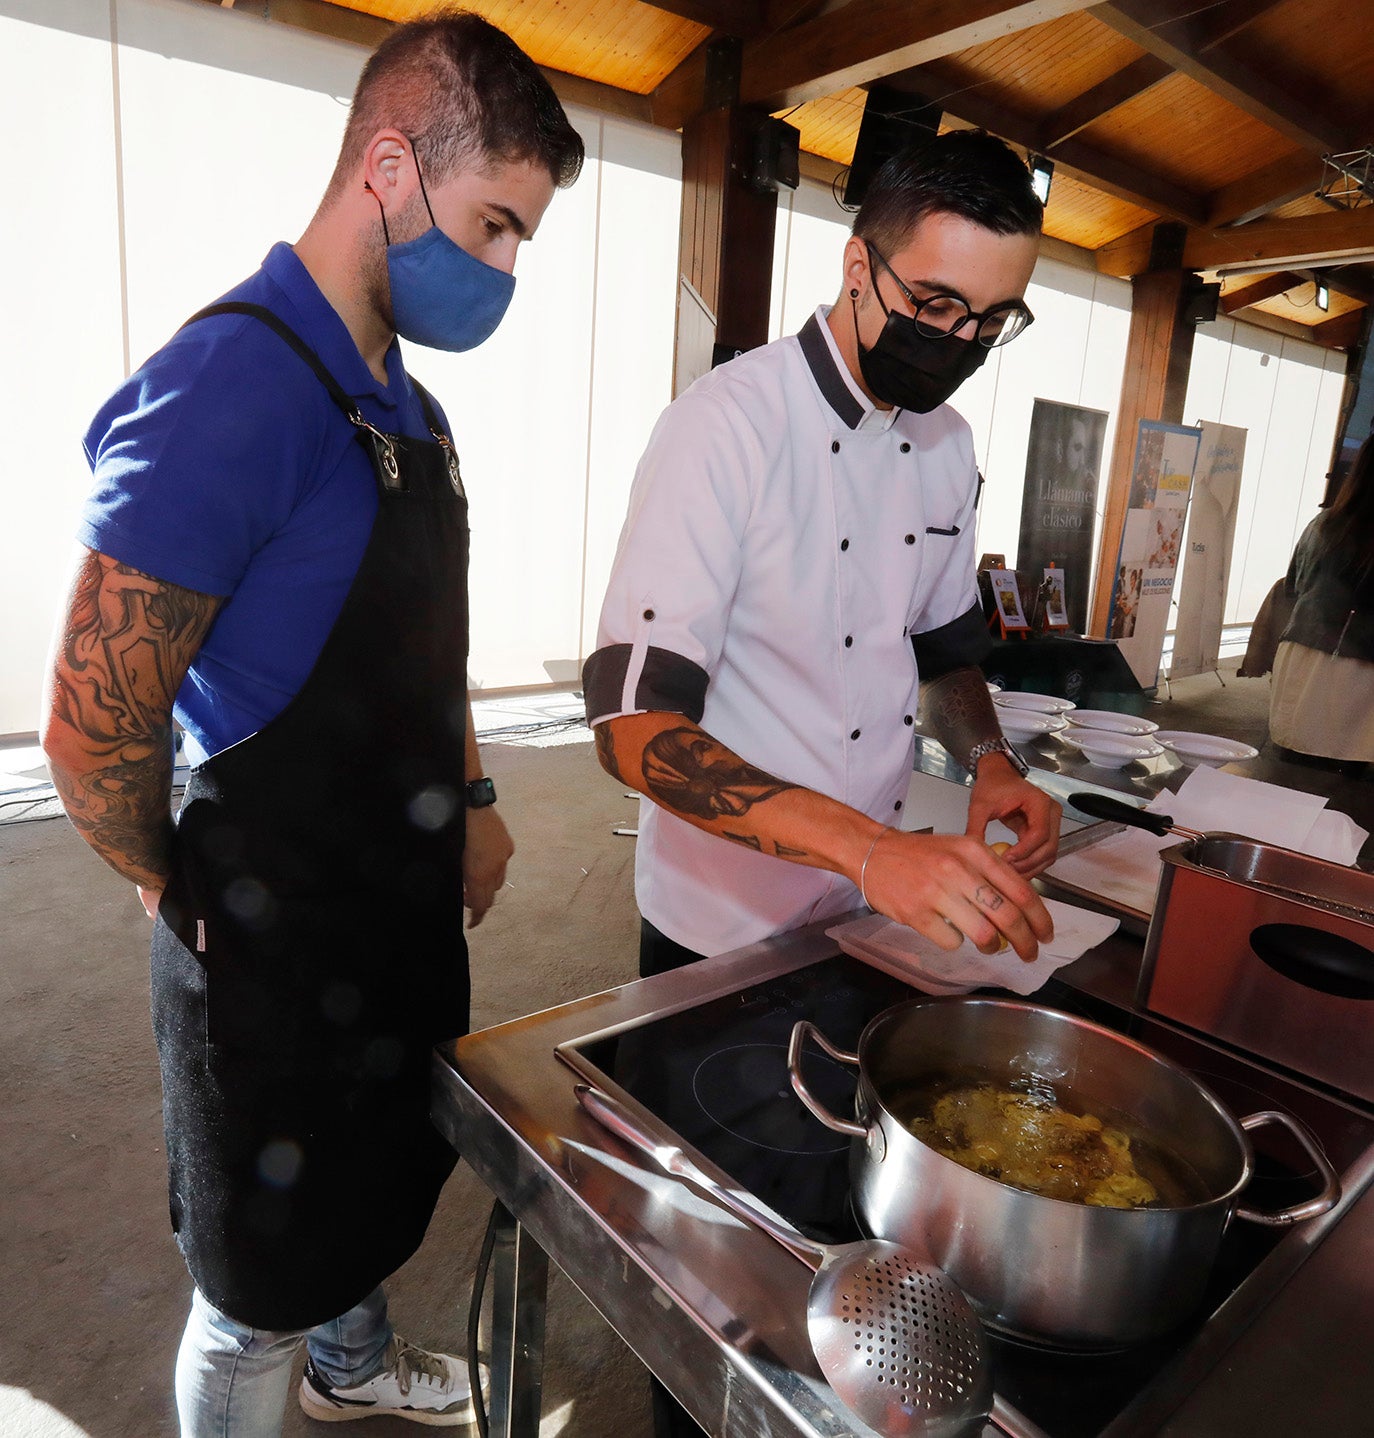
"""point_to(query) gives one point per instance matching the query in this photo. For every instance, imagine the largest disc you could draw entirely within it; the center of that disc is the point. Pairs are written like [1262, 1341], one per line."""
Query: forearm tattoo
[959, 712]
[125, 649]
[605, 752]
[691, 774]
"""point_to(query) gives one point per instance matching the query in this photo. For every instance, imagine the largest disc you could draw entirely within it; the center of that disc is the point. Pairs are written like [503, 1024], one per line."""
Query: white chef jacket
[790, 555]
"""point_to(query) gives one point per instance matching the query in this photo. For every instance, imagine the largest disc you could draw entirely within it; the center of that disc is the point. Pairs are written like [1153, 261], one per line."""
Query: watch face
[481, 792]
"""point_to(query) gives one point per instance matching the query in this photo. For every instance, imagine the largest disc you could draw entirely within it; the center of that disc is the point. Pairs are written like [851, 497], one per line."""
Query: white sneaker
[424, 1387]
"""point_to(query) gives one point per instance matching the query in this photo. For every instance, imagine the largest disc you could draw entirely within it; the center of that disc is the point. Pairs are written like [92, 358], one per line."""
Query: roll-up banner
[1208, 542]
[1147, 561]
[1063, 461]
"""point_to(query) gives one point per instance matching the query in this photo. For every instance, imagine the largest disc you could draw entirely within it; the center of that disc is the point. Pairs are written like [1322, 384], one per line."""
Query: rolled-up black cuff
[956, 645]
[665, 682]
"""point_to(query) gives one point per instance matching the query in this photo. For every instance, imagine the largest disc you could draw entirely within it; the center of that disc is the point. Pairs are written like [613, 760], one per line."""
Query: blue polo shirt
[223, 466]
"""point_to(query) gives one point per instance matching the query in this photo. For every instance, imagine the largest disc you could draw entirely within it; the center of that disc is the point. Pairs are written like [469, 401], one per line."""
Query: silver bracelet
[863, 868]
[999, 745]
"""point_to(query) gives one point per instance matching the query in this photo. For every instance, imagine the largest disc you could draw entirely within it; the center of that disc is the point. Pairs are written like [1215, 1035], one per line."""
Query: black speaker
[776, 157]
[1200, 303]
[892, 120]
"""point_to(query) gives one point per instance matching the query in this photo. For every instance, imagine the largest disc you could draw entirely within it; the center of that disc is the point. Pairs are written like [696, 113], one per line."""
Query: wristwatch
[999, 745]
[480, 792]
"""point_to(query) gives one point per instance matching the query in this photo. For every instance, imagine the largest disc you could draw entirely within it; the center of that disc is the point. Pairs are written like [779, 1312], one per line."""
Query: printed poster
[1059, 498]
[1147, 562]
[1008, 596]
[1056, 610]
[1208, 541]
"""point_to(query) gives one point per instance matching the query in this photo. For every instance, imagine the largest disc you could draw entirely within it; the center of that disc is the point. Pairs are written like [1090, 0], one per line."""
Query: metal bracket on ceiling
[1347, 181]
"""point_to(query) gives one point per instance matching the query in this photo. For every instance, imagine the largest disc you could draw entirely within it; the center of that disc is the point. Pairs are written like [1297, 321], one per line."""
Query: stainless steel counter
[717, 1310]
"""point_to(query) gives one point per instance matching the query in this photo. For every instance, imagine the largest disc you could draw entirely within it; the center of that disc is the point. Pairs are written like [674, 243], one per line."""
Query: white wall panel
[59, 253]
[808, 255]
[230, 128]
[632, 369]
[1285, 393]
[519, 408]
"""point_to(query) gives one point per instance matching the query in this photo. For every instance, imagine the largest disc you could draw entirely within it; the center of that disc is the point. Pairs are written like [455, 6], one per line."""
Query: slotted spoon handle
[615, 1118]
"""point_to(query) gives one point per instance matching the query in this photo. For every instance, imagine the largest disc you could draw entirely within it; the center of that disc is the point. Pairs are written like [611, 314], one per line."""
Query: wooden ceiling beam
[681, 94]
[868, 40]
[1256, 194]
[1128, 255]
[1220, 23]
[1109, 94]
[741, 18]
[1264, 288]
[1274, 244]
[1346, 280]
[1284, 244]
[1103, 171]
[1166, 29]
[1341, 332]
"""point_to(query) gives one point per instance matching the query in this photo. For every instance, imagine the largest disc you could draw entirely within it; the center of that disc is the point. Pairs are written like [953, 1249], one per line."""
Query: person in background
[1321, 705]
[275, 554]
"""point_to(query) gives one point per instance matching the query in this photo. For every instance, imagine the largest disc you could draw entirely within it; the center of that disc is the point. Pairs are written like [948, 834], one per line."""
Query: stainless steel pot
[1035, 1267]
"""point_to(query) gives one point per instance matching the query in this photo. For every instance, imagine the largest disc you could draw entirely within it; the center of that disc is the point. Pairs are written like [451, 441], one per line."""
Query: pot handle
[800, 1030]
[1327, 1199]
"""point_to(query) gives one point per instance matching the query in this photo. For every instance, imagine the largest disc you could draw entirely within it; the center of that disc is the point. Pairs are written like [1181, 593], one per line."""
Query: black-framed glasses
[943, 316]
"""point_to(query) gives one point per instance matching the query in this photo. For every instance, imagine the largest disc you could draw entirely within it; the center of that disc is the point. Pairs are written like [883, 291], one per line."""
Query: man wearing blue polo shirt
[276, 554]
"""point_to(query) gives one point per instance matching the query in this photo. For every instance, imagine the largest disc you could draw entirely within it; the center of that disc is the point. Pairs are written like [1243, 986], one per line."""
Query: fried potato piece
[999, 848]
[1033, 1144]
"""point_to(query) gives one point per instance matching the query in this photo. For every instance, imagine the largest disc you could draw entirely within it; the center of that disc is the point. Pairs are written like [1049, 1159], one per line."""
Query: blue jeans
[232, 1381]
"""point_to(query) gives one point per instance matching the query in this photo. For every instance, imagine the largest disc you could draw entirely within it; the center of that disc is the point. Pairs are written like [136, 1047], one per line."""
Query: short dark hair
[461, 91]
[964, 172]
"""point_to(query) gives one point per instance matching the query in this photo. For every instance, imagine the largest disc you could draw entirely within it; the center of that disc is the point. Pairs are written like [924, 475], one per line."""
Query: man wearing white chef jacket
[797, 564]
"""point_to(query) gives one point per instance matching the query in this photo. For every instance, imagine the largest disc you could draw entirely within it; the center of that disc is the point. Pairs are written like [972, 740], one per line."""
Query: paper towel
[921, 962]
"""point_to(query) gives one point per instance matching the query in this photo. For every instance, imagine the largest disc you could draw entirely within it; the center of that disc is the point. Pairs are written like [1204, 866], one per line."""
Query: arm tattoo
[959, 711]
[127, 642]
[605, 752]
[690, 773]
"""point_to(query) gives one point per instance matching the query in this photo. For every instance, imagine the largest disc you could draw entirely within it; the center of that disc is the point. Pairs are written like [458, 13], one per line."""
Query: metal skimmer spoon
[894, 1336]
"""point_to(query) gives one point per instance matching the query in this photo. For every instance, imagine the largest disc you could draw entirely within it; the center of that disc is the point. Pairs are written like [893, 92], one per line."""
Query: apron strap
[429, 410]
[379, 447]
[279, 327]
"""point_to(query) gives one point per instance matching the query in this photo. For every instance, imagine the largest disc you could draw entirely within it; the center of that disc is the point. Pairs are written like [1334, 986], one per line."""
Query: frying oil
[1045, 1140]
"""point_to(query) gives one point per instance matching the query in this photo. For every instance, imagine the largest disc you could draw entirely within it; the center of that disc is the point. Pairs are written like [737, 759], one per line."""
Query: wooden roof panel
[830, 126]
[1327, 48]
[1039, 70]
[1185, 133]
[1195, 110]
[624, 43]
[1080, 215]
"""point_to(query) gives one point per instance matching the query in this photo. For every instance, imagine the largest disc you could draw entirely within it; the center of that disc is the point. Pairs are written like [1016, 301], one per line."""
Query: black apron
[309, 952]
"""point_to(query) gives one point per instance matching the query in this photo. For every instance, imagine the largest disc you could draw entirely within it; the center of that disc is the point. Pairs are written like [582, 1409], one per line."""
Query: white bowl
[1208, 749]
[1027, 724]
[1112, 722]
[1037, 703]
[1111, 751]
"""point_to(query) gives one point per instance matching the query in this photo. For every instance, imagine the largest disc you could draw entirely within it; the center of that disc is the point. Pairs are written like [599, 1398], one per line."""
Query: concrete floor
[95, 1292]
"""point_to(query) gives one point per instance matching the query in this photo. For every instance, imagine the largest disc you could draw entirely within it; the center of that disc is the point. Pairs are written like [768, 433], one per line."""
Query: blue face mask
[441, 296]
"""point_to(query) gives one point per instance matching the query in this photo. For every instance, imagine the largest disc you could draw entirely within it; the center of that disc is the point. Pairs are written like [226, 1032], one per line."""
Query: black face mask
[905, 368]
